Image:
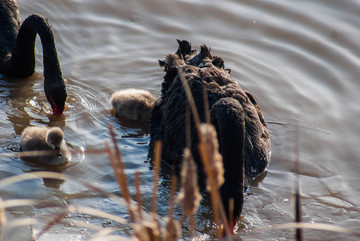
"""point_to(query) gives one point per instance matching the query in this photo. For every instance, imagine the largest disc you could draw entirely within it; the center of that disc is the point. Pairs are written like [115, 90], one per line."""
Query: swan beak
[57, 111]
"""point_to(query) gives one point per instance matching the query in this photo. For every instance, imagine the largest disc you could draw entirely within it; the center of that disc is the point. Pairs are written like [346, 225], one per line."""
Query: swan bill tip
[57, 110]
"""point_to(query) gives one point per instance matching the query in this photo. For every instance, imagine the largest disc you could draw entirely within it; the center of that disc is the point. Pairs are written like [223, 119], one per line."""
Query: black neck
[22, 62]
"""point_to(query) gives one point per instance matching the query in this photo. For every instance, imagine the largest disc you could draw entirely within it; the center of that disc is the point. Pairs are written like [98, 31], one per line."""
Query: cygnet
[41, 138]
[134, 104]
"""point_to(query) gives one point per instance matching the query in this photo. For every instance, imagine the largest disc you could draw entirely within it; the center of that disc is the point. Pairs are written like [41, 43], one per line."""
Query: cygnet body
[134, 104]
[41, 138]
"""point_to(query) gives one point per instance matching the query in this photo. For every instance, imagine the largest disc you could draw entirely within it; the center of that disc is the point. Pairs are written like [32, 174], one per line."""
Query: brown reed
[189, 196]
[173, 227]
[157, 159]
[138, 194]
[119, 169]
[157, 232]
[298, 216]
[210, 156]
[148, 228]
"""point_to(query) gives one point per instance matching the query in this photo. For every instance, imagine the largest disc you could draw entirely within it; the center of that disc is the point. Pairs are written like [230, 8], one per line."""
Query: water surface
[300, 59]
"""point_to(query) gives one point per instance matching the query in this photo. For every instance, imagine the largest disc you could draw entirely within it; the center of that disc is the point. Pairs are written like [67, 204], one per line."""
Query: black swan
[17, 55]
[244, 139]
[134, 104]
[42, 138]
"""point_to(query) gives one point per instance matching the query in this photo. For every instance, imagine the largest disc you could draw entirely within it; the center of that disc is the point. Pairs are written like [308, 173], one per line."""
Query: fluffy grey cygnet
[134, 104]
[41, 138]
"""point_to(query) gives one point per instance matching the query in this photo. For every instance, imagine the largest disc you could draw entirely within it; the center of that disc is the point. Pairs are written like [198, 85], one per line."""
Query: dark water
[299, 58]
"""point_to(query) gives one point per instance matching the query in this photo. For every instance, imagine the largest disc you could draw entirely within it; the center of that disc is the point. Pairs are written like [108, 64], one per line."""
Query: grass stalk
[173, 184]
[217, 206]
[157, 159]
[57, 219]
[314, 226]
[138, 194]
[119, 169]
[298, 216]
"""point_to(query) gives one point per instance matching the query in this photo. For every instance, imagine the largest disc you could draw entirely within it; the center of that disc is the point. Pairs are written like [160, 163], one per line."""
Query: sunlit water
[299, 58]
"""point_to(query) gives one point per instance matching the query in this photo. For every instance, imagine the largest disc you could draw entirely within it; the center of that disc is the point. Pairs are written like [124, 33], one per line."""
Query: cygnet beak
[57, 149]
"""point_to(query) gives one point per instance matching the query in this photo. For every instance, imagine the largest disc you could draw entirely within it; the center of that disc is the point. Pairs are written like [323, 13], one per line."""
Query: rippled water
[300, 58]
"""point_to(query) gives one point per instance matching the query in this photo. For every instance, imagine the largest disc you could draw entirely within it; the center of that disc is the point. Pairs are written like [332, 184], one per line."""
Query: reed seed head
[189, 196]
[209, 149]
[173, 229]
[147, 229]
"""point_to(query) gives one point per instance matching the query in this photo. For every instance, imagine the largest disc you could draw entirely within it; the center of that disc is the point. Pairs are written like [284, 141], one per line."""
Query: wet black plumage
[17, 51]
[244, 139]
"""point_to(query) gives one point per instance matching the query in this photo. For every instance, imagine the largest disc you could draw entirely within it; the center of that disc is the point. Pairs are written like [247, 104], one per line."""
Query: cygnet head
[55, 138]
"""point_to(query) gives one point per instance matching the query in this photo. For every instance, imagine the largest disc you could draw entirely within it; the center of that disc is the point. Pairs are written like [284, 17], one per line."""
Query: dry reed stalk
[79, 209]
[138, 194]
[173, 227]
[157, 159]
[30, 176]
[52, 175]
[21, 202]
[298, 218]
[206, 105]
[95, 212]
[210, 168]
[191, 221]
[187, 126]
[19, 222]
[29, 154]
[188, 95]
[147, 229]
[119, 169]
[189, 196]
[192, 224]
[315, 226]
[173, 185]
[57, 219]
[212, 161]
[65, 211]
[3, 219]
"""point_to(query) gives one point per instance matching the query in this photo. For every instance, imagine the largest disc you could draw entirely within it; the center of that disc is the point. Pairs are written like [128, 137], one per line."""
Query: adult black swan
[17, 55]
[244, 139]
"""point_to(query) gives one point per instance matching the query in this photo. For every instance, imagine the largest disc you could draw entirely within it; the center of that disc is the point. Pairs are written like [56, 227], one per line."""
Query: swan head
[55, 139]
[56, 94]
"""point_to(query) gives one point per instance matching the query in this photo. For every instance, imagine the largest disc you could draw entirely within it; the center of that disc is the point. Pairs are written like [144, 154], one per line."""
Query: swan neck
[22, 61]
